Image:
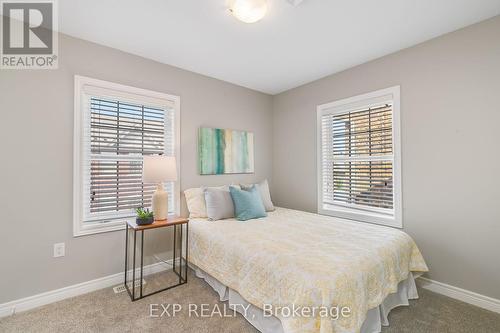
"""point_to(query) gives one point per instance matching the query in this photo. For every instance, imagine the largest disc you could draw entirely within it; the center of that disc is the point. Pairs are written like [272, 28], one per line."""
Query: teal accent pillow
[247, 203]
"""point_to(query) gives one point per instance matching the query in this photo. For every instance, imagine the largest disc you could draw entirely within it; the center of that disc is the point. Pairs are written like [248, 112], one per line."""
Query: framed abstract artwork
[225, 151]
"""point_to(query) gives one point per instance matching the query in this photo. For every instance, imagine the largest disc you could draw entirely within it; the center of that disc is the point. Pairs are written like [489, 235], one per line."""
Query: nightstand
[179, 266]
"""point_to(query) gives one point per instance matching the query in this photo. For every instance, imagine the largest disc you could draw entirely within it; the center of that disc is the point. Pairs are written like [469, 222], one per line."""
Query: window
[115, 126]
[359, 168]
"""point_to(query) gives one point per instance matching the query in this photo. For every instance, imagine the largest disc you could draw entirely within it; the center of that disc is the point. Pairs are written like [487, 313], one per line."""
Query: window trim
[82, 86]
[348, 105]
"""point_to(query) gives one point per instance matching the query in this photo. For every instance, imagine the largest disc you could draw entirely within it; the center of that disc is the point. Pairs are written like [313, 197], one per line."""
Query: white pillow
[219, 204]
[265, 195]
[195, 199]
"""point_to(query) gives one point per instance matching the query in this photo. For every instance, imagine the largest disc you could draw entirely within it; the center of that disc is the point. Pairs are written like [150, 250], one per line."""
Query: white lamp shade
[158, 169]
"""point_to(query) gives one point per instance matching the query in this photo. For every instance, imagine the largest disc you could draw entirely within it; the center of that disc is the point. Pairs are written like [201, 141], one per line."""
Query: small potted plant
[144, 216]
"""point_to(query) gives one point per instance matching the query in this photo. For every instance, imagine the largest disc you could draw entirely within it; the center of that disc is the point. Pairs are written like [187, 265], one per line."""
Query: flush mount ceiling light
[251, 11]
[248, 11]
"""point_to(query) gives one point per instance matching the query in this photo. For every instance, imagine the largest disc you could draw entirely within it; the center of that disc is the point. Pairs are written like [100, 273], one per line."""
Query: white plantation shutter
[357, 162]
[117, 129]
[357, 159]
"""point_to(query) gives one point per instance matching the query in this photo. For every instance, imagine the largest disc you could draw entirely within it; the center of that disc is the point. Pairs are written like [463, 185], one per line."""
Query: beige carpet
[104, 311]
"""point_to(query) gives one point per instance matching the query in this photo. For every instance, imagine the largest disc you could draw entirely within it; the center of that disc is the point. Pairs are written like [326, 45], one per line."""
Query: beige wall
[36, 131]
[450, 110]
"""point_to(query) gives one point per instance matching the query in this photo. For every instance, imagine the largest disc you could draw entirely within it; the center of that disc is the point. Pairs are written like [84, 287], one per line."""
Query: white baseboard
[28, 303]
[463, 295]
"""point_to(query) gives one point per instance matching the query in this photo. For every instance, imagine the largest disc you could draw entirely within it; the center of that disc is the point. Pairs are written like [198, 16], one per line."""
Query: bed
[293, 258]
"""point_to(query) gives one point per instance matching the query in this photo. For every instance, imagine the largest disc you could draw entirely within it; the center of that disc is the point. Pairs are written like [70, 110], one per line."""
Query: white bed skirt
[375, 318]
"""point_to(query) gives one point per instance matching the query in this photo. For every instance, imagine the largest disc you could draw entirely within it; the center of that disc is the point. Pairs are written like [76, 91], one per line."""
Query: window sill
[97, 228]
[356, 215]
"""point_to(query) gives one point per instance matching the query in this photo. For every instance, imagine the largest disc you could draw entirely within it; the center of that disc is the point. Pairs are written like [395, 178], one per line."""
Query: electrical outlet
[59, 250]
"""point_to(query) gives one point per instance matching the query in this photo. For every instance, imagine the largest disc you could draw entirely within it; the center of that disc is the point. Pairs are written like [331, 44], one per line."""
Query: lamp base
[160, 203]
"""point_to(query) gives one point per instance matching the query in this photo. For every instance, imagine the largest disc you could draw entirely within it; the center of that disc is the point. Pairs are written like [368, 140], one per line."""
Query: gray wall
[450, 110]
[450, 114]
[36, 131]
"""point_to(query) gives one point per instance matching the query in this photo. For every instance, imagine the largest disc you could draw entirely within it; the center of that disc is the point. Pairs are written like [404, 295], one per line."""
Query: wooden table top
[170, 221]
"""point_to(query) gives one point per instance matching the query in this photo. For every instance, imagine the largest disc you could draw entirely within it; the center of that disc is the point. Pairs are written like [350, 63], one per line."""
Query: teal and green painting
[224, 151]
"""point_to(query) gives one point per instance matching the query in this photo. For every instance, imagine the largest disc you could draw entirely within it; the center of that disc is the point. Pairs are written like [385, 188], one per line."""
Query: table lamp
[156, 170]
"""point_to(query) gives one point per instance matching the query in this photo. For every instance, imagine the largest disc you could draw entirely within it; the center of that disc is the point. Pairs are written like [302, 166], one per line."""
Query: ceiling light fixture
[248, 11]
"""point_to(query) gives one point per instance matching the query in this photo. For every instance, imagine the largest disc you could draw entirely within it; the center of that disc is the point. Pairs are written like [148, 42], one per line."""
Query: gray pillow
[219, 204]
[265, 195]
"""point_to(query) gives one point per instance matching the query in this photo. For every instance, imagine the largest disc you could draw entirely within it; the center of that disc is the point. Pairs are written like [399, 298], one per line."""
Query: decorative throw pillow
[195, 200]
[219, 204]
[264, 194]
[247, 203]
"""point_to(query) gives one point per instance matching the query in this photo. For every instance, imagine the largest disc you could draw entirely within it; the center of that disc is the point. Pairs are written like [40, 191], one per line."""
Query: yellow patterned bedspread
[307, 260]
